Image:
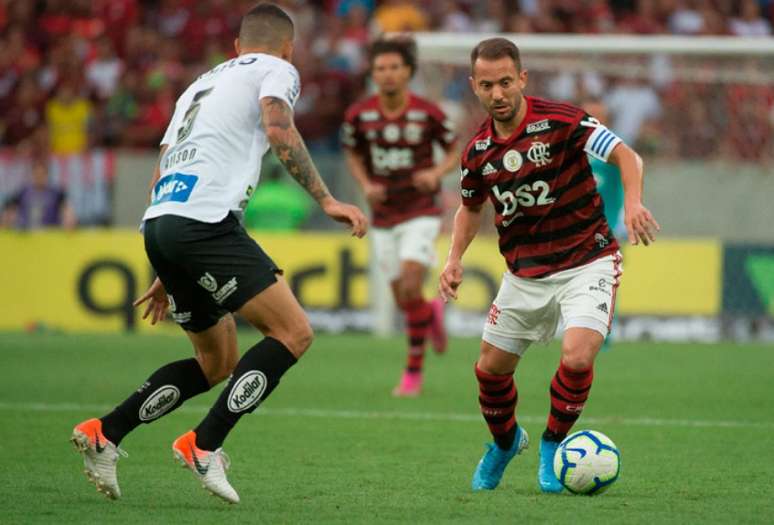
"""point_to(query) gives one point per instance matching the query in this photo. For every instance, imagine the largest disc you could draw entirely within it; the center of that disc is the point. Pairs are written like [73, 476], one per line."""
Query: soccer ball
[587, 462]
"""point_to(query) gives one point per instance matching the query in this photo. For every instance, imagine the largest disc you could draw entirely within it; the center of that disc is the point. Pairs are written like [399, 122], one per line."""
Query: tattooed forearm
[289, 147]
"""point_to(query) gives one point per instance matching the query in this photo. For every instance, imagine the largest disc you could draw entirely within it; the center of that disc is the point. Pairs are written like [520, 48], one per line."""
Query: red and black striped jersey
[548, 213]
[393, 149]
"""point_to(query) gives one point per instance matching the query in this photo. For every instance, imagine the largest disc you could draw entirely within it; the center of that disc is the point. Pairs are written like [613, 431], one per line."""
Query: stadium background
[702, 119]
[88, 86]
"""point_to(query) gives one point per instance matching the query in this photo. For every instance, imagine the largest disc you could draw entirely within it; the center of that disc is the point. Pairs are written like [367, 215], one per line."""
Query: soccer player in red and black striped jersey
[389, 140]
[529, 158]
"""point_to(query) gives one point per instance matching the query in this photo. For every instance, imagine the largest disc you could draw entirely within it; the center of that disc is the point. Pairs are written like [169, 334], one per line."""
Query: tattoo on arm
[289, 147]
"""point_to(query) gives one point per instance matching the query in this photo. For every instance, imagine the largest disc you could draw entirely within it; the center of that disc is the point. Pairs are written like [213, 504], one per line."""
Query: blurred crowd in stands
[80, 74]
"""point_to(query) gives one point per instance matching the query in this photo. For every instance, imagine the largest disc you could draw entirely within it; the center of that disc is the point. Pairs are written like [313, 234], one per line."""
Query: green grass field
[694, 424]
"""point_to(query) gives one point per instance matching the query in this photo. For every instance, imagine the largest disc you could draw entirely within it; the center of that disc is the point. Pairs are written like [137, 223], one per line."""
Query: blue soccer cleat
[492, 465]
[546, 477]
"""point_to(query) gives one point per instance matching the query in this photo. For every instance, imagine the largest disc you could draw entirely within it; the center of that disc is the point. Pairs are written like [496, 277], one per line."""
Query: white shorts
[528, 310]
[413, 240]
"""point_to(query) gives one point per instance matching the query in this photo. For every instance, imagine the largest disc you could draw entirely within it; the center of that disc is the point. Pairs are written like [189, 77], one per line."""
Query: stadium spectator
[68, 116]
[750, 22]
[38, 204]
[644, 20]
[337, 51]
[320, 111]
[452, 17]
[344, 7]
[166, 44]
[395, 16]
[104, 70]
[121, 109]
[356, 24]
[278, 204]
[490, 16]
[632, 104]
[686, 19]
[24, 113]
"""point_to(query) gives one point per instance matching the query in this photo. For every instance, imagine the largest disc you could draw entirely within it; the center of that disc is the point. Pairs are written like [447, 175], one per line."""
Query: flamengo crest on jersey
[548, 213]
[215, 140]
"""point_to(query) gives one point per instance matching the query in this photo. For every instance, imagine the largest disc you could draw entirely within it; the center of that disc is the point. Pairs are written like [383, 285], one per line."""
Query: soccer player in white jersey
[207, 265]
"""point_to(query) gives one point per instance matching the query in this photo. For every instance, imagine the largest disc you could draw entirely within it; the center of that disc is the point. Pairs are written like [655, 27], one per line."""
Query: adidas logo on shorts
[602, 307]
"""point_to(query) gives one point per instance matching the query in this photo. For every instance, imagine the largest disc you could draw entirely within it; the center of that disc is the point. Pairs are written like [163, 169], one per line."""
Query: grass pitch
[694, 424]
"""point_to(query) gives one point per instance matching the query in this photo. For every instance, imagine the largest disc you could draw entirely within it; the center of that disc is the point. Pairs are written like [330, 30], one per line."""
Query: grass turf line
[293, 469]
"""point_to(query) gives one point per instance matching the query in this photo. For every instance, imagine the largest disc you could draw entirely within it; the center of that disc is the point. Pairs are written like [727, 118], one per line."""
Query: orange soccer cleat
[99, 456]
[208, 467]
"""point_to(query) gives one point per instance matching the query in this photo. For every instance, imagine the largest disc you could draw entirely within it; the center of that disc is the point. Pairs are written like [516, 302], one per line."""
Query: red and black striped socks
[498, 397]
[569, 391]
[419, 315]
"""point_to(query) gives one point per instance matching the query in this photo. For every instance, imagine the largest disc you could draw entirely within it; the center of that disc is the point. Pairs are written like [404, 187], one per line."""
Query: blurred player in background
[208, 266]
[389, 140]
[609, 185]
[530, 160]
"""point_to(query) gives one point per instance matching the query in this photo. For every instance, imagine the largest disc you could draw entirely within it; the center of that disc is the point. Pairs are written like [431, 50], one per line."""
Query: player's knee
[409, 291]
[578, 358]
[297, 339]
[304, 338]
[217, 368]
[495, 362]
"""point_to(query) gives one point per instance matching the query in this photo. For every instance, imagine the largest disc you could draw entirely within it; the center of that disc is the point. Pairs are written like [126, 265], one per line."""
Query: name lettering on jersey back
[391, 159]
[173, 188]
[228, 65]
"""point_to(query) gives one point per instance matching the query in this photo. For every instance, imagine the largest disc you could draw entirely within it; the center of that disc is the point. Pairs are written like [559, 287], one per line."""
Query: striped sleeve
[600, 141]
[472, 185]
[350, 137]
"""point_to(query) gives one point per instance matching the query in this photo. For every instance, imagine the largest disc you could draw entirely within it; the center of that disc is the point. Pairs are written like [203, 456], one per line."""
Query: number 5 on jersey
[190, 115]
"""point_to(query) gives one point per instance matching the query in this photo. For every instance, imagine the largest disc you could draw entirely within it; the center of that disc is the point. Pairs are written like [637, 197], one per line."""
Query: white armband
[601, 143]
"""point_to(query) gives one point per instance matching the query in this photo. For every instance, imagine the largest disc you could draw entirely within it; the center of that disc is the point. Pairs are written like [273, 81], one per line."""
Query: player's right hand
[348, 214]
[450, 280]
[640, 224]
[158, 302]
[375, 193]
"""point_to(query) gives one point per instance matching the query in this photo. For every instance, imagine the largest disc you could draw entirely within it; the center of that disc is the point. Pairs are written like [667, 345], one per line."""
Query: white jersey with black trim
[215, 140]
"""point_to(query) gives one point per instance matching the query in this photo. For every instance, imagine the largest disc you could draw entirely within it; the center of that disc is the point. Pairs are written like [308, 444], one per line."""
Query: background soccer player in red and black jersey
[529, 159]
[389, 140]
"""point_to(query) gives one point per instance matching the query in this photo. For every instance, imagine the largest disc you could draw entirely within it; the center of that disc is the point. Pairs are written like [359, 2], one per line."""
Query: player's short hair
[406, 47]
[494, 48]
[265, 25]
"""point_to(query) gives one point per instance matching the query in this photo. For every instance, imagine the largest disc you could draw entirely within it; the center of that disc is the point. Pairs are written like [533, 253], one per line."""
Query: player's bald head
[265, 26]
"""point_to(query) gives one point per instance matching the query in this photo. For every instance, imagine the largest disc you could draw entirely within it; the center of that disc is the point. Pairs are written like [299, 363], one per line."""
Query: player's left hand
[158, 302]
[426, 181]
[640, 224]
[348, 214]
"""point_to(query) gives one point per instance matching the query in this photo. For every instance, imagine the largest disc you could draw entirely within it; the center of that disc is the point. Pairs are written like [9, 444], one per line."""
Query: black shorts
[207, 269]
